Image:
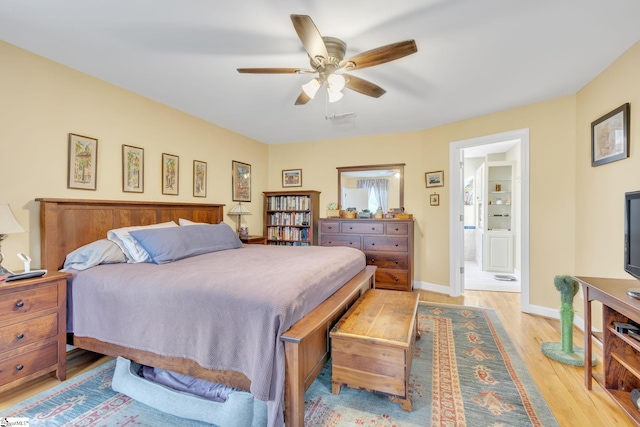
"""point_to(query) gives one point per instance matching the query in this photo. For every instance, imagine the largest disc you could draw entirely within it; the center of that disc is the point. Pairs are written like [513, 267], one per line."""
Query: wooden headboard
[67, 224]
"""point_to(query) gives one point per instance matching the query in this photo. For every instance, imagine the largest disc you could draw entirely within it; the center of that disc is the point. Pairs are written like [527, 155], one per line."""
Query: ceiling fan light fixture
[311, 88]
[334, 95]
[336, 82]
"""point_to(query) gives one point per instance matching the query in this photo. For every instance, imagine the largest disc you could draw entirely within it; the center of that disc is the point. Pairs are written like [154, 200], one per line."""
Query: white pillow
[183, 221]
[133, 251]
[101, 251]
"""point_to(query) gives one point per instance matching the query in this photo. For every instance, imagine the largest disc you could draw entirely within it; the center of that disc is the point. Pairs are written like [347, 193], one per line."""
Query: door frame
[456, 223]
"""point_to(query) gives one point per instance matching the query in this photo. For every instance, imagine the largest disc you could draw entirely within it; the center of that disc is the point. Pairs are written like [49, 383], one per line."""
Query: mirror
[367, 187]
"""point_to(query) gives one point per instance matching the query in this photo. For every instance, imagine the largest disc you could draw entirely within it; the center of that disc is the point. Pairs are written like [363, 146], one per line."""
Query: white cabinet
[497, 210]
[498, 251]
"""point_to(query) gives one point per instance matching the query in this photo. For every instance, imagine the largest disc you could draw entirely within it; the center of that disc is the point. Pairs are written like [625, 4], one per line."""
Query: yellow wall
[575, 215]
[600, 190]
[41, 102]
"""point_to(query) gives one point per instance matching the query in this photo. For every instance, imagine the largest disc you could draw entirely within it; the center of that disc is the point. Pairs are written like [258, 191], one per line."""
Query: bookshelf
[291, 217]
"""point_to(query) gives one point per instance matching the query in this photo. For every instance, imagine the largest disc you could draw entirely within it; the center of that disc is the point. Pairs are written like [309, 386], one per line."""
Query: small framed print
[292, 178]
[434, 179]
[82, 168]
[240, 181]
[132, 169]
[610, 137]
[170, 174]
[199, 179]
[434, 199]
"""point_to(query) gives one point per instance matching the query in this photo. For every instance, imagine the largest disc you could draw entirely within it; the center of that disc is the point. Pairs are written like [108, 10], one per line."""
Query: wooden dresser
[33, 317]
[387, 244]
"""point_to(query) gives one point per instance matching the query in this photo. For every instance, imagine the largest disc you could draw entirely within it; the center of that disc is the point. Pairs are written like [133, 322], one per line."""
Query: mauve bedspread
[225, 310]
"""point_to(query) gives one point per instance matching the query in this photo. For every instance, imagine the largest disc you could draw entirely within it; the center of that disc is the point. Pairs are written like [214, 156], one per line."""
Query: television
[632, 233]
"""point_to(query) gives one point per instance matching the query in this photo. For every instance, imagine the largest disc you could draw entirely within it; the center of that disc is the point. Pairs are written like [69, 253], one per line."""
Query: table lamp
[239, 210]
[8, 225]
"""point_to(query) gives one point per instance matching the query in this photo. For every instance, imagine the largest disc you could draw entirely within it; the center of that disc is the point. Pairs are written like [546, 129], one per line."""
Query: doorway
[489, 147]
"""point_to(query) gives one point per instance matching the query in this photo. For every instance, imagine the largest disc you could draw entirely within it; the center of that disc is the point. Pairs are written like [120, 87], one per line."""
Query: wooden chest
[387, 244]
[372, 345]
[32, 328]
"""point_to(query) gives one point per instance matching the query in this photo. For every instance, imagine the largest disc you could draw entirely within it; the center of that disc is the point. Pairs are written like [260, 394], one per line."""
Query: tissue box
[240, 410]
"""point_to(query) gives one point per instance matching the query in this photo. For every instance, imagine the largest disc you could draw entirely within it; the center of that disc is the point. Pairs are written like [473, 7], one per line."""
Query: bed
[67, 224]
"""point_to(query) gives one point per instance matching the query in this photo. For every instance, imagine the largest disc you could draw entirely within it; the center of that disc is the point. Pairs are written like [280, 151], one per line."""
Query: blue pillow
[171, 244]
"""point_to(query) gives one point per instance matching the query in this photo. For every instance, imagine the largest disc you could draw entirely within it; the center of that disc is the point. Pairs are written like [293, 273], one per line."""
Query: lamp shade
[239, 210]
[8, 222]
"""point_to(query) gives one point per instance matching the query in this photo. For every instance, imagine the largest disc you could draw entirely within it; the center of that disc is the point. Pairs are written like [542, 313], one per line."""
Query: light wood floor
[561, 385]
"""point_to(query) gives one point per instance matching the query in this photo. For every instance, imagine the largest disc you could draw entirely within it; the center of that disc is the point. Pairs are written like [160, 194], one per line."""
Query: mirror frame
[399, 166]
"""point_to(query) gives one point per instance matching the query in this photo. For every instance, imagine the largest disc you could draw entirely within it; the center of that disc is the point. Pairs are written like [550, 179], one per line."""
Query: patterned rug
[465, 372]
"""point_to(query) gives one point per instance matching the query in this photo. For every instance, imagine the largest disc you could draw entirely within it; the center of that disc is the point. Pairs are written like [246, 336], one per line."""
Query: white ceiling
[474, 56]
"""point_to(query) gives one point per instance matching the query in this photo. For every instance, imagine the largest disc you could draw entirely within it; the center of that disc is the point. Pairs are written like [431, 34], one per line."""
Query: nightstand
[33, 324]
[254, 240]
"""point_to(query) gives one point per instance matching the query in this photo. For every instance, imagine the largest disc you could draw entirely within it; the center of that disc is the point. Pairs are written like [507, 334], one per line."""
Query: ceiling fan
[326, 56]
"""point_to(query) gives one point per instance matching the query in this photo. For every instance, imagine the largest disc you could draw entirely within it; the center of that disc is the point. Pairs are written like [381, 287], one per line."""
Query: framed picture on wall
[132, 169]
[434, 179]
[82, 169]
[610, 137]
[434, 199]
[199, 179]
[240, 181]
[170, 174]
[292, 178]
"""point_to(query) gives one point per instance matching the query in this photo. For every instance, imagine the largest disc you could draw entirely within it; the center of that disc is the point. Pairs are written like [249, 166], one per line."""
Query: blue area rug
[466, 372]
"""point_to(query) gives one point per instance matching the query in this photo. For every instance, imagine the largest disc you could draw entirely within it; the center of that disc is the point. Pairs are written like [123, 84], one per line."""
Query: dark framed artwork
[170, 164]
[240, 181]
[132, 169]
[199, 179]
[82, 169]
[434, 199]
[434, 179]
[292, 178]
[610, 137]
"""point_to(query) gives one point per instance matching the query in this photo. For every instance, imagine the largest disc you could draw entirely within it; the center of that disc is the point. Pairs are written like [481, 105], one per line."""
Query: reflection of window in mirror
[370, 187]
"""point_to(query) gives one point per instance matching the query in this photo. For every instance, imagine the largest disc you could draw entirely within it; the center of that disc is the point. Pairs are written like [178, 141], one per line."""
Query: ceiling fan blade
[310, 36]
[275, 70]
[365, 87]
[303, 98]
[380, 55]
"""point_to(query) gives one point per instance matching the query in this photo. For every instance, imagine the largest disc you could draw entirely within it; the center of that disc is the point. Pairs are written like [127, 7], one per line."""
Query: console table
[621, 353]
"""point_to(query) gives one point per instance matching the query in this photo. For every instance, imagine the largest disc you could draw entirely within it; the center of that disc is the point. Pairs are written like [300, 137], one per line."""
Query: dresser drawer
[392, 279]
[15, 304]
[397, 229]
[340, 240]
[329, 227]
[27, 332]
[385, 260]
[362, 226]
[386, 244]
[28, 363]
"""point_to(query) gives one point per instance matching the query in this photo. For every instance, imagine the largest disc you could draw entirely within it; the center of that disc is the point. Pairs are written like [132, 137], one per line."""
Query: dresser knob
[395, 278]
[20, 336]
[373, 261]
[373, 228]
[19, 367]
[350, 228]
[329, 228]
[397, 245]
[373, 244]
[397, 229]
[20, 303]
[330, 242]
[396, 261]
